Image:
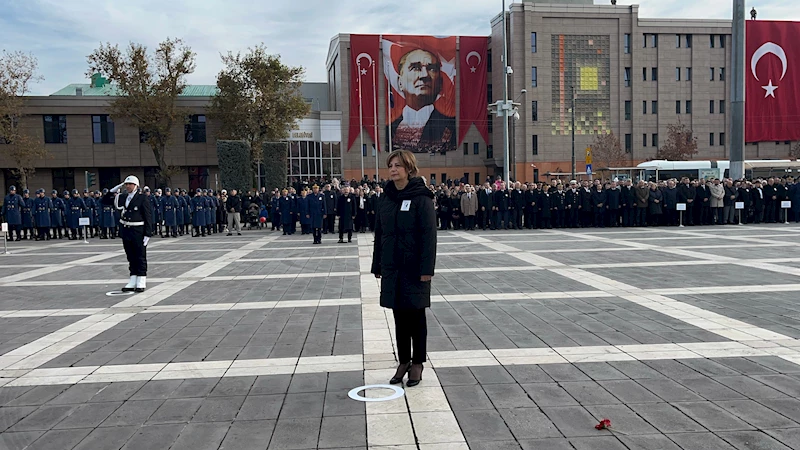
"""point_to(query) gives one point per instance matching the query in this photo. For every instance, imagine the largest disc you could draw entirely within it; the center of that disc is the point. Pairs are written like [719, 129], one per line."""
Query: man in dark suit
[136, 226]
[422, 128]
[485, 203]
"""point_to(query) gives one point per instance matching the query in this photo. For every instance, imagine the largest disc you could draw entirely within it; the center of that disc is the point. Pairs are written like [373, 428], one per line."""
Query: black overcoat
[405, 245]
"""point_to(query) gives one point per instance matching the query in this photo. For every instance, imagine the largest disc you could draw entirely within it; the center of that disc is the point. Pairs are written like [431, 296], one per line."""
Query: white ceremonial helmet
[131, 179]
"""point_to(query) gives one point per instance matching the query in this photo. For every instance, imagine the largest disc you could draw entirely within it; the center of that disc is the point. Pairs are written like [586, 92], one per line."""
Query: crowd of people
[459, 206]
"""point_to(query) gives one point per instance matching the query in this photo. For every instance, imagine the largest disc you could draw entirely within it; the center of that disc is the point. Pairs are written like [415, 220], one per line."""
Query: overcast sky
[60, 33]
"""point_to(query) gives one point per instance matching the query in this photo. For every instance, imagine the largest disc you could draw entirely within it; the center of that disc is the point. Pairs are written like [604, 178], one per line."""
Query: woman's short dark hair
[406, 159]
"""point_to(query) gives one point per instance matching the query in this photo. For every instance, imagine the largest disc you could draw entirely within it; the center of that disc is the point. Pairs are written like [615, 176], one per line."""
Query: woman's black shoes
[401, 372]
[414, 375]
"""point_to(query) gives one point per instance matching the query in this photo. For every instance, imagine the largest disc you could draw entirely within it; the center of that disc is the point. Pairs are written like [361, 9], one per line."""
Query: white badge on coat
[406, 206]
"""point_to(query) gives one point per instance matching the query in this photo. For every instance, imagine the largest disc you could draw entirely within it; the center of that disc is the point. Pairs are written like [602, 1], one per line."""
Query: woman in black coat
[404, 258]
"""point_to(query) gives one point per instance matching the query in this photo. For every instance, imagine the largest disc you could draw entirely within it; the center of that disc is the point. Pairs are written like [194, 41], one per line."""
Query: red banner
[772, 87]
[473, 52]
[364, 50]
[421, 71]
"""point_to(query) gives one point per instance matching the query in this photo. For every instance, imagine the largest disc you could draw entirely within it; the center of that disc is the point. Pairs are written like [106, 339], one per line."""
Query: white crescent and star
[358, 62]
[777, 50]
[475, 54]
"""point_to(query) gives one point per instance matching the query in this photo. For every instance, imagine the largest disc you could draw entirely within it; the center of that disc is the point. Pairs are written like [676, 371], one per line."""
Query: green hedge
[275, 168]
[235, 167]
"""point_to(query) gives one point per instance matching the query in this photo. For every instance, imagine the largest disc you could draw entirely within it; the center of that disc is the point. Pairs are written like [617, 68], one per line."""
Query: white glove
[146, 240]
[116, 188]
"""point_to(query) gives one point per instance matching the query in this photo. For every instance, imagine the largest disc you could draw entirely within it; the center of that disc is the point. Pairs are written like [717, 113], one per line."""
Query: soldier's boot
[141, 284]
[349, 236]
[131, 284]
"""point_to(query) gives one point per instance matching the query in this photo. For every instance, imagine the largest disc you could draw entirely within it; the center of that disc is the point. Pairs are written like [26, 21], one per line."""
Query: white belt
[131, 224]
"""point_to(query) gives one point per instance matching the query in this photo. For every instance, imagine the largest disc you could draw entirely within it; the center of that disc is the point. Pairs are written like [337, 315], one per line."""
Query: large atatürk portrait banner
[421, 73]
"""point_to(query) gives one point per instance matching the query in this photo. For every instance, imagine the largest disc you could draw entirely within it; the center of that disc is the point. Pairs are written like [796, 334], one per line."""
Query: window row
[720, 139]
[103, 132]
[476, 148]
[629, 141]
[465, 179]
[720, 110]
[681, 41]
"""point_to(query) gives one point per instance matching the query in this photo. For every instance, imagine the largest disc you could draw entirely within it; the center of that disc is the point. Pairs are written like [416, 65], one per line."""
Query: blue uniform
[285, 208]
[12, 209]
[42, 207]
[198, 211]
[88, 209]
[179, 217]
[27, 213]
[207, 210]
[187, 210]
[169, 210]
[75, 208]
[275, 214]
[317, 209]
[302, 209]
[107, 219]
[214, 207]
[56, 214]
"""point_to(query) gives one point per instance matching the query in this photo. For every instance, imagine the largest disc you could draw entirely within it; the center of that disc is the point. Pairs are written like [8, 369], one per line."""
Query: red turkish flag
[473, 54]
[364, 50]
[772, 87]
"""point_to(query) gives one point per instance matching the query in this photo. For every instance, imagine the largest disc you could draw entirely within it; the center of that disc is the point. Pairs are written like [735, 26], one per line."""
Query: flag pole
[375, 118]
[360, 119]
[388, 101]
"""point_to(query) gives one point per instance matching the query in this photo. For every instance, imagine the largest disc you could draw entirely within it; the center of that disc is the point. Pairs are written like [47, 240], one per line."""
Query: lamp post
[506, 107]
[572, 108]
[514, 128]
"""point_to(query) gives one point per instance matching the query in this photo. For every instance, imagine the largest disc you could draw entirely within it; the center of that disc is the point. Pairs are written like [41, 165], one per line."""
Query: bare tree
[681, 145]
[147, 88]
[794, 151]
[607, 151]
[18, 71]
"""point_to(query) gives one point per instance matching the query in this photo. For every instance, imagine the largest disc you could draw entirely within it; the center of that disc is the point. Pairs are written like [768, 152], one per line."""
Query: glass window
[337, 168]
[688, 74]
[477, 181]
[627, 77]
[688, 106]
[688, 41]
[534, 77]
[374, 151]
[644, 73]
[721, 74]
[711, 139]
[628, 143]
[711, 106]
[489, 62]
[628, 110]
[466, 148]
[655, 140]
[326, 149]
[533, 42]
[489, 93]
[654, 107]
[644, 140]
[363, 149]
[644, 45]
[489, 152]
[64, 180]
[198, 178]
[108, 176]
[654, 40]
[644, 106]
[722, 139]
[535, 110]
[304, 149]
[722, 106]
[677, 106]
[102, 130]
[721, 41]
[143, 136]
[712, 40]
[712, 74]
[294, 149]
[677, 74]
[677, 41]
[195, 130]
[476, 148]
[535, 145]
[654, 74]
[627, 42]
[55, 129]
[433, 178]
[490, 121]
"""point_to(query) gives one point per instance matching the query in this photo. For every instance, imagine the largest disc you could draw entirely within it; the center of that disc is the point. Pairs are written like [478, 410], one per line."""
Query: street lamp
[514, 128]
[572, 93]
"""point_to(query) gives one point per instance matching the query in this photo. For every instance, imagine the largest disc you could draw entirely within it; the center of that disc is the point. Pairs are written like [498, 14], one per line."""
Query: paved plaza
[685, 338]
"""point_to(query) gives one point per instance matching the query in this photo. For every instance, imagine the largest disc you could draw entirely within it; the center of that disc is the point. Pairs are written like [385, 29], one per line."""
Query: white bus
[664, 170]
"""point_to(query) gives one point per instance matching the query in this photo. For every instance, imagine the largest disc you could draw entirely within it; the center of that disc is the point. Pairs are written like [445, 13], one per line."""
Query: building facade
[75, 126]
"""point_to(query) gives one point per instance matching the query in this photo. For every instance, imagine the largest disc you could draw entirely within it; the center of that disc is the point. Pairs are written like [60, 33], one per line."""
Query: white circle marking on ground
[119, 293]
[398, 392]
